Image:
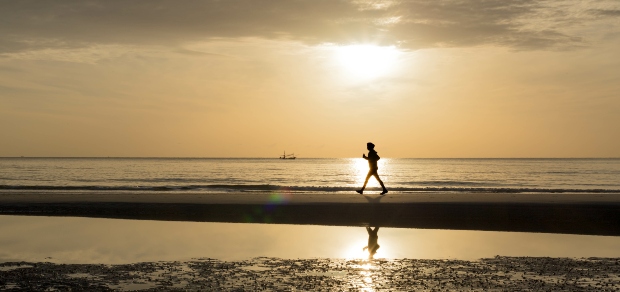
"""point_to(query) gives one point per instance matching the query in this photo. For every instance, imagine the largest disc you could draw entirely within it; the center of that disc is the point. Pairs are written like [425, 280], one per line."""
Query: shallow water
[116, 241]
[308, 174]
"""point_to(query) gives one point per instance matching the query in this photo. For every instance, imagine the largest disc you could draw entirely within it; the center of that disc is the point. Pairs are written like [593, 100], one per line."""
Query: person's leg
[381, 182]
[370, 173]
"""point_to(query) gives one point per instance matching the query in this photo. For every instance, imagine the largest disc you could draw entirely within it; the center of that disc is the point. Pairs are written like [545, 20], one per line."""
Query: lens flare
[265, 214]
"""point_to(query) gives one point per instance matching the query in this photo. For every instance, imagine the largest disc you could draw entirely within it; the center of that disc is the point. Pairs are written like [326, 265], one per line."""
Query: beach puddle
[10, 268]
[116, 241]
[256, 268]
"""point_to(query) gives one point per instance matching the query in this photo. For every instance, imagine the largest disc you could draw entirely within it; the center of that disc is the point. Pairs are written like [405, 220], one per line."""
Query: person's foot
[360, 192]
[385, 191]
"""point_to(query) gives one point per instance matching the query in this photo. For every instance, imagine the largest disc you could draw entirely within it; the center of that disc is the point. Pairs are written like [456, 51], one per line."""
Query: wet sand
[591, 214]
[272, 274]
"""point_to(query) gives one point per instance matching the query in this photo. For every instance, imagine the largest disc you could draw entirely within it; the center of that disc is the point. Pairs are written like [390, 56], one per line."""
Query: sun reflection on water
[359, 168]
[355, 251]
[367, 272]
[359, 249]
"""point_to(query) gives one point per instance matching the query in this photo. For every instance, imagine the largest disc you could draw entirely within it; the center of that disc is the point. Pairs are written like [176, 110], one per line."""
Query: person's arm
[364, 156]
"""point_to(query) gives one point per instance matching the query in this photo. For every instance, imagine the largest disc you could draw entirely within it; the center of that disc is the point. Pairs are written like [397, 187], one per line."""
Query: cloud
[606, 12]
[412, 24]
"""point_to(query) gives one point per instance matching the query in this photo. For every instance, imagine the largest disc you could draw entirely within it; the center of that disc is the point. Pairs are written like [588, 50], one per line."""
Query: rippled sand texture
[272, 274]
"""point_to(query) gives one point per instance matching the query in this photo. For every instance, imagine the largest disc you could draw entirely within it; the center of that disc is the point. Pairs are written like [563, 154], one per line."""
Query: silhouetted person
[373, 245]
[372, 158]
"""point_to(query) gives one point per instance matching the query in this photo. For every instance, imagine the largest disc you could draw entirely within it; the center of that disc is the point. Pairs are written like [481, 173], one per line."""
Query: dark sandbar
[591, 214]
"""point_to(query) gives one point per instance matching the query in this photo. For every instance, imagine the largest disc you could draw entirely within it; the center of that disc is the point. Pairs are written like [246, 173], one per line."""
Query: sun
[366, 61]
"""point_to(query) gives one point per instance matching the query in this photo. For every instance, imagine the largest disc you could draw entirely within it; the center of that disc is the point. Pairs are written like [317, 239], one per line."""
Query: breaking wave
[301, 189]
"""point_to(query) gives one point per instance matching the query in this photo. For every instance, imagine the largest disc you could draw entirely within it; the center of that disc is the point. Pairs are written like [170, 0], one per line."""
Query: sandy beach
[591, 214]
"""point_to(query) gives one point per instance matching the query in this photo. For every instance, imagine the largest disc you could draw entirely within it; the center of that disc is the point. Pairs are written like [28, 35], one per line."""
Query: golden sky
[320, 78]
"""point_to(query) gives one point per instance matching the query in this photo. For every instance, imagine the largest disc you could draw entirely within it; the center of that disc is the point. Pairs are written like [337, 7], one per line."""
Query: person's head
[370, 146]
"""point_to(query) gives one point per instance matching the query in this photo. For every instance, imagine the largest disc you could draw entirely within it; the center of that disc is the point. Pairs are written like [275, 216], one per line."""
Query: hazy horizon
[275, 157]
[320, 78]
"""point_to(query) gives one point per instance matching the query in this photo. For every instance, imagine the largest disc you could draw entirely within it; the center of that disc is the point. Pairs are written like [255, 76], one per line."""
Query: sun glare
[359, 169]
[356, 251]
[367, 61]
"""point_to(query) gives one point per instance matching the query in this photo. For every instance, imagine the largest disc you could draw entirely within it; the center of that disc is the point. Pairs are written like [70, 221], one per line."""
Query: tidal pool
[116, 241]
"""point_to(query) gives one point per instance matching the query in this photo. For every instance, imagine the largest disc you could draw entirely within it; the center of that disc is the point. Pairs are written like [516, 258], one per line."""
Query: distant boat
[289, 156]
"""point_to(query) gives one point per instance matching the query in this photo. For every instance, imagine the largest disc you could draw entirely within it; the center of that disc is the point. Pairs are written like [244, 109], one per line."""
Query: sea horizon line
[273, 157]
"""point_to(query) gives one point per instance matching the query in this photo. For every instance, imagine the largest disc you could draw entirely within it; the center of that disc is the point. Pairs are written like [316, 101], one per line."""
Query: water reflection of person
[373, 245]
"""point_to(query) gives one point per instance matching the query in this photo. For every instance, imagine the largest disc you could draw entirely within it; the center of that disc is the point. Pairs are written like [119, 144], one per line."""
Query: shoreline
[587, 214]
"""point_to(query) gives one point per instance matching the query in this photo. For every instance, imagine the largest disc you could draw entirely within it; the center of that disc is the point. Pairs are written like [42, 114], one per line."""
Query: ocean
[309, 175]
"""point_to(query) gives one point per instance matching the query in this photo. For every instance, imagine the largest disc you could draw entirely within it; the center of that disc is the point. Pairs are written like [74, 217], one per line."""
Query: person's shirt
[373, 157]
